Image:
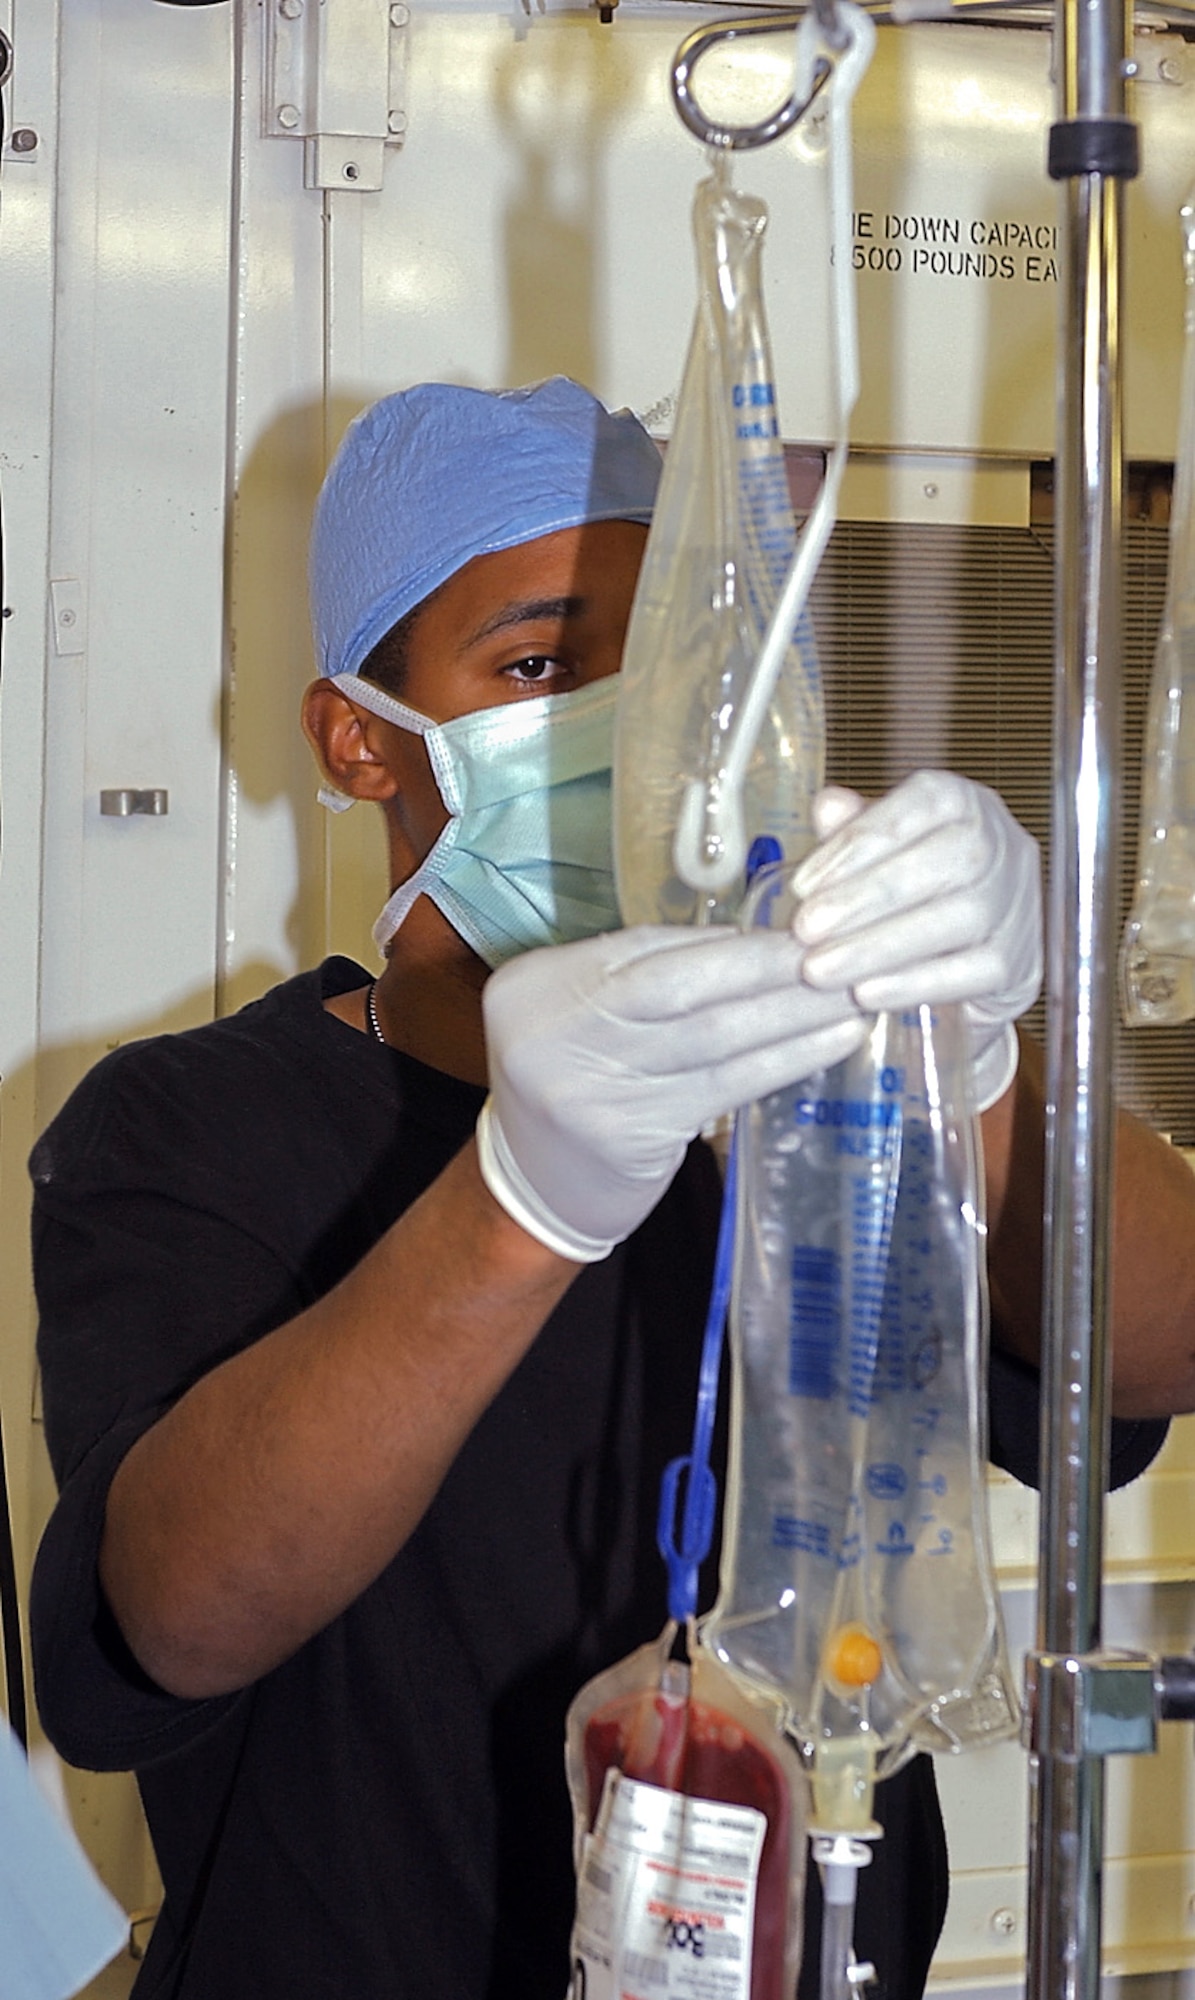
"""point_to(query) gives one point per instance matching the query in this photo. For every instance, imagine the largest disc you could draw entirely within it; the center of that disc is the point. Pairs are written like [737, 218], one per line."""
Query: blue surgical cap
[427, 479]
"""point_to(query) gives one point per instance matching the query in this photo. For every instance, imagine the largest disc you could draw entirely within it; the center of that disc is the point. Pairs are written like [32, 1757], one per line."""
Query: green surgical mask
[525, 858]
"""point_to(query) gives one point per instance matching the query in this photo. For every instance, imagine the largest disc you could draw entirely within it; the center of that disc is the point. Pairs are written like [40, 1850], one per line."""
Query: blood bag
[856, 1581]
[689, 1812]
[1157, 959]
[721, 543]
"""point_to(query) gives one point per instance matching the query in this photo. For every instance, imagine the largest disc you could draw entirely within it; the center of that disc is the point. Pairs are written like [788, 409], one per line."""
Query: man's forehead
[549, 578]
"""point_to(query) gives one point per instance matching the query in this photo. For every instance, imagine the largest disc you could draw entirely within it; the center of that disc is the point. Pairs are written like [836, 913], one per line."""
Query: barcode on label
[599, 1878]
[720, 1944]
[647, 1971]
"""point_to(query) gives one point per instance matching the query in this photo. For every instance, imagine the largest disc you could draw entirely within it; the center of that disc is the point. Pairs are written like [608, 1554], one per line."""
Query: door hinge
[335, 77]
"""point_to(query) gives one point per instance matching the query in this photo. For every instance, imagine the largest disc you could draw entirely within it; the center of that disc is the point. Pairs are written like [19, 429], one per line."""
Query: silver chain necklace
[371, 1009]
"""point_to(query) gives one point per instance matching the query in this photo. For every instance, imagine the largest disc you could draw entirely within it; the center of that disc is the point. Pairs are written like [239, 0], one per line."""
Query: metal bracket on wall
[335, 76]
[1093, 1705]
[130, 802]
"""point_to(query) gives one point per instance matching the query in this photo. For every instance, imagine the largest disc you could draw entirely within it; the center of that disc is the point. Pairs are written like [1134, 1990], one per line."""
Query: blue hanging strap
[684, 1561]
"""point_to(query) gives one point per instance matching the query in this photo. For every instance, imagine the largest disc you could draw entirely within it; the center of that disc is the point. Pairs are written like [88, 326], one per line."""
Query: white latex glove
[606, 1057]
[931, 894]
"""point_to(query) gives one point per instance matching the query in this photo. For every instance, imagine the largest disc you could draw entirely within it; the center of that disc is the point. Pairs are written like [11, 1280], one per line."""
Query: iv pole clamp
[745, 138]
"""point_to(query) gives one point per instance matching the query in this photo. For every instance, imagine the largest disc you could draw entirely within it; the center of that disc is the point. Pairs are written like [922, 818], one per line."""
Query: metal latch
[1091, 1705]
[126, 801]
[335, 75]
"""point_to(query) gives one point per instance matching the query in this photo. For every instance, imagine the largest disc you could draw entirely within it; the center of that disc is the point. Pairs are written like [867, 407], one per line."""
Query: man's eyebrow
[527, 611]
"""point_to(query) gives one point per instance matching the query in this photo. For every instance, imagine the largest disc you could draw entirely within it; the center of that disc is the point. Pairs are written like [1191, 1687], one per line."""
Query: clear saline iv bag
[856, 1575]
[692, 787]
[1157, 959]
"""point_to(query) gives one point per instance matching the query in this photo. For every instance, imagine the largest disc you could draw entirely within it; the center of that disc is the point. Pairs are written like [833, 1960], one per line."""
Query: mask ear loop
[390, 709]
[368, 695]
[333, 799]
[704, 807]
[379, 703]
[397, 908]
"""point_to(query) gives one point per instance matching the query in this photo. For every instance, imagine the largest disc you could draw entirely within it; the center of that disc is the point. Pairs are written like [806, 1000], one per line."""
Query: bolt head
[24, 140]
[399, 15]
[930, 490]
[396, 124]
[1170, 70]
[288, 116]
[290, 10]
[1004, 1922]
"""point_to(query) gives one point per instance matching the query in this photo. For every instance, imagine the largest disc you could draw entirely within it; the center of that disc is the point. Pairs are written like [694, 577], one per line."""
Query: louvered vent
[936, 645]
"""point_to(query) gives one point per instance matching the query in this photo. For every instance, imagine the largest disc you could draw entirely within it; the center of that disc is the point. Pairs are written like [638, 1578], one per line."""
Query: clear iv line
[710, 844]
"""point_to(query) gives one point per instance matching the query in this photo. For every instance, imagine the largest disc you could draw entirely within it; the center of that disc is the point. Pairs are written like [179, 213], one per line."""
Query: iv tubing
[839, 1858]
[716, 804]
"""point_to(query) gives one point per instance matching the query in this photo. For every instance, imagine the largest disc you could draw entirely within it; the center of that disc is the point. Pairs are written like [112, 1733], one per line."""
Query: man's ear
[348, 742]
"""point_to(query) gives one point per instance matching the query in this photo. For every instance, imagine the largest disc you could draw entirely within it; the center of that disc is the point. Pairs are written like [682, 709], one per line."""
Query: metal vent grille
[936, 644]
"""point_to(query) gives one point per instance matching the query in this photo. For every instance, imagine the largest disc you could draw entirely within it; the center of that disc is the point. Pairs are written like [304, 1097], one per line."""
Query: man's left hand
[930, 894]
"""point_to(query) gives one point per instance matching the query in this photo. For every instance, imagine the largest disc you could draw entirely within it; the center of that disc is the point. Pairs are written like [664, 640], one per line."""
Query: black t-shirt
[384, 1815]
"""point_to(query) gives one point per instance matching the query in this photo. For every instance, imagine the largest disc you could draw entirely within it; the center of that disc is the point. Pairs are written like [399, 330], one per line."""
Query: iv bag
[1157, 959]
[689, 1812]
[721, 543]
[856, 1579]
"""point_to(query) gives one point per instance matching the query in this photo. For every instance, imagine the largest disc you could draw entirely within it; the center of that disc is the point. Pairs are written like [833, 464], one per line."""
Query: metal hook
[742, 138]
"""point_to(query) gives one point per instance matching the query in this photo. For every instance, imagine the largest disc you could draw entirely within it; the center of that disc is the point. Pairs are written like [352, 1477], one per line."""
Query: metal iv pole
[1082, 1703]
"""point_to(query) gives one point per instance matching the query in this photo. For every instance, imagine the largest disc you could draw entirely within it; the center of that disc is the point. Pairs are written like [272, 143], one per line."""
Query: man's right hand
[608, 1056]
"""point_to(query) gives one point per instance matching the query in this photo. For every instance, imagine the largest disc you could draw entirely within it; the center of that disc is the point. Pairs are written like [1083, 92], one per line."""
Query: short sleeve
[101, 1712]
[140, 1292]
[1014, 1424]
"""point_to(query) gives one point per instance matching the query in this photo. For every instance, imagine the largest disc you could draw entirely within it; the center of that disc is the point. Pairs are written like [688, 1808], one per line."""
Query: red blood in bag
[700, 1751]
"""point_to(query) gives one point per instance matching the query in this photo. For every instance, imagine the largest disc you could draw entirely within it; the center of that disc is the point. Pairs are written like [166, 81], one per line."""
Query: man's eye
[536, 667]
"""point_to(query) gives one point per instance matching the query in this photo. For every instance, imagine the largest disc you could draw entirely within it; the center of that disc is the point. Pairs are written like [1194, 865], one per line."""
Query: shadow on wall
[298, 882]
[559, 113]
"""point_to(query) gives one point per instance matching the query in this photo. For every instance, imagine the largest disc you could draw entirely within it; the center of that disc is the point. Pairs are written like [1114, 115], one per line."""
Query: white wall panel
[537, 220]
[26, 351]
[139, 493]
[272, 914]
[114, 252]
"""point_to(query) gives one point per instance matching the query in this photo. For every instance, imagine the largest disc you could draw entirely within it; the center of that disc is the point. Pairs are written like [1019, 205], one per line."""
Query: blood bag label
[666, 1897]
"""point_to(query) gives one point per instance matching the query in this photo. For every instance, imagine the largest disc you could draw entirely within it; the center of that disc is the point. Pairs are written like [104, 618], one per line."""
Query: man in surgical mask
[370, 1316]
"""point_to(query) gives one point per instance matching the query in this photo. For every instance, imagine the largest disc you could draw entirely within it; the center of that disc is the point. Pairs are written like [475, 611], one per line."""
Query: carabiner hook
[744, 138]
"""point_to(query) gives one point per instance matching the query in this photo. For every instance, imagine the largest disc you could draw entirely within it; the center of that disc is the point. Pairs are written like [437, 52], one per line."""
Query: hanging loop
[829, 20]
[744, 138]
